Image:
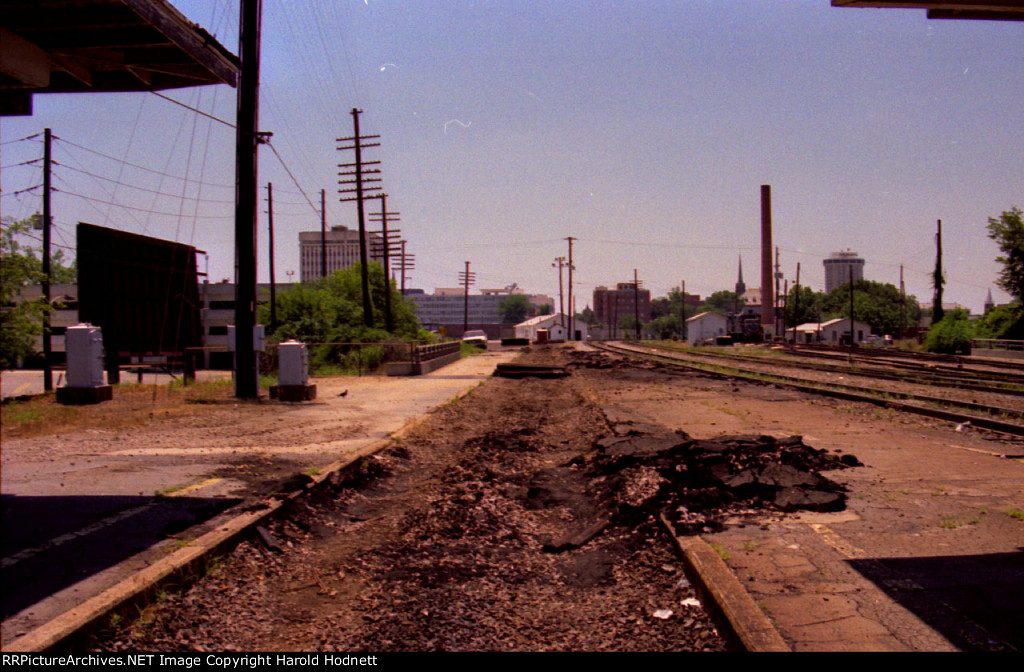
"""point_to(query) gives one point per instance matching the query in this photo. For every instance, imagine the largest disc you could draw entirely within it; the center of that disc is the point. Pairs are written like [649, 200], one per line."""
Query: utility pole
[851, 308]
[408, 263]
[903, 305]
[270, 227]
[384, 246]
[246, 169]
[775, 304]
[636, 305]
[937, 280]
[362, 185]
[467, 279]
[572, 312]
[796, 301]
[682, 311]
[560, 262]
[47, 219]
[323, 233]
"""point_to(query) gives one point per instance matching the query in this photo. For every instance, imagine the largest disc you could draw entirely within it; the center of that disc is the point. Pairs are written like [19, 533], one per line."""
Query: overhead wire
[141, 167]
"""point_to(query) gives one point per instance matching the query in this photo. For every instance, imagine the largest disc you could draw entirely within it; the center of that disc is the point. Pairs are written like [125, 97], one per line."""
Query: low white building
[553, 325]
[833, 332]
[705, 326]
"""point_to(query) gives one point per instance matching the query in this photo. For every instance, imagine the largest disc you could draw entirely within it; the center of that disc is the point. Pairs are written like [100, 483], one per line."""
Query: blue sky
[643, 129]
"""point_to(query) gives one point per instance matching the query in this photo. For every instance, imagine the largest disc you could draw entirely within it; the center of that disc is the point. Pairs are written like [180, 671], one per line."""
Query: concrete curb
[740, 621]
[186, 564]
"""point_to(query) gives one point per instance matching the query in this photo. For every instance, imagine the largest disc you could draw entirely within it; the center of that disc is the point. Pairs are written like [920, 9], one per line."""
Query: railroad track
[962, 380]
[1005, 420]
[1008, 370]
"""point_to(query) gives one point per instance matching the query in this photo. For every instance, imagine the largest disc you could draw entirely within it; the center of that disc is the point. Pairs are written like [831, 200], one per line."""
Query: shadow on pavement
[975, 601]
[50, 543]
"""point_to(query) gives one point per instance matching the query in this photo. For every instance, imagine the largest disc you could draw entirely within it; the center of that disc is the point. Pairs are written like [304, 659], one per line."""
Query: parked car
[477, 337]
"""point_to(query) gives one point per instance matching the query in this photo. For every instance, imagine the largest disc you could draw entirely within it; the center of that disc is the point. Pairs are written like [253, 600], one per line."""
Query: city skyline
[642, 130]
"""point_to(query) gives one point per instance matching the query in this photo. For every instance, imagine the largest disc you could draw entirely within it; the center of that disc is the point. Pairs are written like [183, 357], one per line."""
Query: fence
[991, 347]
[344, 357]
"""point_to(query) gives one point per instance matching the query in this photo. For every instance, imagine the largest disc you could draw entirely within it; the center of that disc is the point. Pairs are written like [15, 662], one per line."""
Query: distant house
[833, 332]
[706, 325]
[553, 325]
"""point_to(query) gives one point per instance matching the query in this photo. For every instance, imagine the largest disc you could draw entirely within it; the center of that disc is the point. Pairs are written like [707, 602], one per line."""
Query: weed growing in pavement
[722, 553]
[1016, 514]
[312, 471]
[949, 523]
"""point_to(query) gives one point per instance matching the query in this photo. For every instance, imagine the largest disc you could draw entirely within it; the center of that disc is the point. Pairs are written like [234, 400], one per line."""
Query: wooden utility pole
[937, 280]
[467, 279]
[362, 184]
[387, 241]
[47, 220]
[851, 306]
[796, 301]
[903, 305]
[560, 262]
[636, 305]
[775, 304]
[323, 233]
[246, 176]
[270, 227]
[682, 311]
[408, 264]
[572, 312]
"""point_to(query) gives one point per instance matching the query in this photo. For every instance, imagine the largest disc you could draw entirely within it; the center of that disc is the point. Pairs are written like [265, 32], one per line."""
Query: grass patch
[949, 523]
[1016, 514]
[720, 550]
[131, 406]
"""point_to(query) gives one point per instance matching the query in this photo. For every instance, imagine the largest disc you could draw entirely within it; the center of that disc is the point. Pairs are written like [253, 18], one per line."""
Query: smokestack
[767, 278]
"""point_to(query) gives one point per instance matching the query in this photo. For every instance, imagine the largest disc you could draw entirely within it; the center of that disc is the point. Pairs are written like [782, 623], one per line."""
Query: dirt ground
[525, 517]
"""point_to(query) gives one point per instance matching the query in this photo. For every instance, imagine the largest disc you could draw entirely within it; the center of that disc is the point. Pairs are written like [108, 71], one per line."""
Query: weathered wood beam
[23, 61]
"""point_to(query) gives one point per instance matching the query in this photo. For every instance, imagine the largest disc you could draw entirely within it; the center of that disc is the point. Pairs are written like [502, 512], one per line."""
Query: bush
[951, 335]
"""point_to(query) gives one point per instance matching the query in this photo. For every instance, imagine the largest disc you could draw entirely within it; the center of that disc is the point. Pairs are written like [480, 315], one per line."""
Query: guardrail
[425, 353]
[997, 344]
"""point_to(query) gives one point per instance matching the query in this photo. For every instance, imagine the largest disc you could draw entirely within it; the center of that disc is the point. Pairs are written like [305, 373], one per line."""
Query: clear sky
[644, 129]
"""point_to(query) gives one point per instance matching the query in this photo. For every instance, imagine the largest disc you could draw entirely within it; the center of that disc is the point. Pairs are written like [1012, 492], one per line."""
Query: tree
[329, 312]
[1001, 322]
[951, 335]
[803, 305]
[514, 308]
[1008, 232]
[723, 301]
[21, 321]
[876, 303]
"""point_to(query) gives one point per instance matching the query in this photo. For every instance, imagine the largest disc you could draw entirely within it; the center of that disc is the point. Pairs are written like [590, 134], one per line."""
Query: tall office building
[342, 245]
[838, 268]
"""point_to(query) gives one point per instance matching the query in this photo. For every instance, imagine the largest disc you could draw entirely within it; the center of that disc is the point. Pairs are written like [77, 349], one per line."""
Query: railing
[425, 353]
[997, 344]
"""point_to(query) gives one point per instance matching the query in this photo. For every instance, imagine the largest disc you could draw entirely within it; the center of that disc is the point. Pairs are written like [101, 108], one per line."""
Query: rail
[425, 353]
[997, 344]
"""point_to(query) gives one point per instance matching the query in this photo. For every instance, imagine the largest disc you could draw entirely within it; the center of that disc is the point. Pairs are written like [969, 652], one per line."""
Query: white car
[477, 337]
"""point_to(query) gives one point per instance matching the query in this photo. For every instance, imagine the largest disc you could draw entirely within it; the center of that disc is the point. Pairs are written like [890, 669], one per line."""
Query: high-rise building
[342, 245]
[838, 268]
[610, 305]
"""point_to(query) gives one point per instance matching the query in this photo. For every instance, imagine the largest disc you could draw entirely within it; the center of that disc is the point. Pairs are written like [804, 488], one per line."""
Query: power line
[151, 191]
[189, 107]
[150, 170]
[27, 137]
[287, 170]
[131, 207]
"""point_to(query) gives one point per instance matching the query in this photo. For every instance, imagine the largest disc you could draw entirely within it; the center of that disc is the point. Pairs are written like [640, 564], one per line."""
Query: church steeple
[989, 303]
[740, 287]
